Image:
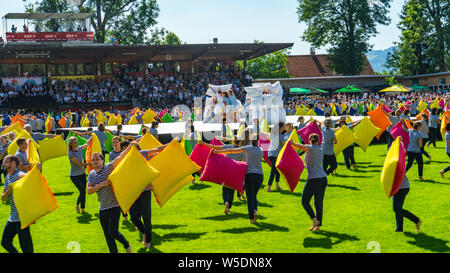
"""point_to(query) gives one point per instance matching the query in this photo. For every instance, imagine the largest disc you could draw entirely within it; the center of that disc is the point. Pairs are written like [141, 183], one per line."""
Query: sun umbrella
[300, 91]
[321, 91]
[348, 89]
[417, 87]
[396, 88]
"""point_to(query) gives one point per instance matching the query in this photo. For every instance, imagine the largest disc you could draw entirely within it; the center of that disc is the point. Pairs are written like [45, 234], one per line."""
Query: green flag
[167, 118]
[108, 142]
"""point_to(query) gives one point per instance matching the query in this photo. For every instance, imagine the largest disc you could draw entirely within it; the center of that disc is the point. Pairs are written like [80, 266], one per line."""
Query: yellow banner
[81, 77]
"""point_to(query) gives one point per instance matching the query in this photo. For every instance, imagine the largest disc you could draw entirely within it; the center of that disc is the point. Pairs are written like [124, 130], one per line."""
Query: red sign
[49, 36]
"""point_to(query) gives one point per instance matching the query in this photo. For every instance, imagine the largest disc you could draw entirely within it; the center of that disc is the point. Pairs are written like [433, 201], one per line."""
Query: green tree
[165, 37]
[129, 21]
[438, 15]
[345, 26]
[269, 66]
[412, 54]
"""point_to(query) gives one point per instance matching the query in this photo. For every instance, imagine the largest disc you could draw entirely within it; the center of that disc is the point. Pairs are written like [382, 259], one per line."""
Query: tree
[165, 37]
[425, 39]
[412, 54]
[344, 25]
[438, 15]
[130, 21]
[269, 66]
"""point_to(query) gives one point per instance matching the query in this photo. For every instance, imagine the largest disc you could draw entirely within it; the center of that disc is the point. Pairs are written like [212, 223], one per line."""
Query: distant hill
[377, 58]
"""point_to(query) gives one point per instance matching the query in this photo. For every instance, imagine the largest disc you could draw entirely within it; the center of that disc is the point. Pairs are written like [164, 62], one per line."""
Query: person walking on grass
[228, 193]
[328, 142]
[77, 170]
[12, 227]
[117, 150]
[349, 152]
[316, 181]
[447, 145]
[141, 210]
[109, 208]
[276, 143]
[433, 125]
[398, 200]
[254, 175]
[424, 131]
[415, 143]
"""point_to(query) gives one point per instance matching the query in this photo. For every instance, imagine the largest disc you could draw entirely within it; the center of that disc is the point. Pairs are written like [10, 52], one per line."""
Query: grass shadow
[361, 171]
[167, 226]
[63, 193]
[428, 242]
[351, 176]
[232, 215]
[434, 161]
[182, 236]
[86, 218]
[327, 242]
[431, 181]
[287, 192]
[256, 228]
[129, 226]
[198, 186]
[343, 187]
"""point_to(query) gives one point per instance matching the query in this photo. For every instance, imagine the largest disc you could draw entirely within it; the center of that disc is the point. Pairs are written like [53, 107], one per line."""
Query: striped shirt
[10, 179]
[113, 155]
[106, 195]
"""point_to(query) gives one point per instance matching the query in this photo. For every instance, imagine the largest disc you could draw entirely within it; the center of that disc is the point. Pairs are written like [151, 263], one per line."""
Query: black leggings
[109, 219]
[433, 136]
[142, 208]
[314, 187]
[273, 171]
[80, 182]
[329, 161]
[349, 155]
[11, 230]
[253, 182]
[397, 202]
[418, 157]
[448, 167]
[422, 149]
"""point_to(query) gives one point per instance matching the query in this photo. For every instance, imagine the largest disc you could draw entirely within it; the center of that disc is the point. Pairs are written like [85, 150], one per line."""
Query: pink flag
[200, 155]
[291, 167]
[311, 128]
[264, 144]
[441, 104]
[397, 131]
[386, 109]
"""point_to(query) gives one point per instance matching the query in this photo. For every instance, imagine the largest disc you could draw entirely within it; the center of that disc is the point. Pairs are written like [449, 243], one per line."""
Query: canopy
[396, 88]
[417, 87]
[321, 91]
[348, 89]
[300, 91]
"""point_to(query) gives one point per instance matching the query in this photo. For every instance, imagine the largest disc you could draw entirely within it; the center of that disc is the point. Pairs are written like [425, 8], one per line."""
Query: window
[108, 68]
[80, 69]
[90, 69]
[415, 81]
[60, 69]
[141, 66]
[442, 81]
[34, 69]
[70, 69]
[10, 70]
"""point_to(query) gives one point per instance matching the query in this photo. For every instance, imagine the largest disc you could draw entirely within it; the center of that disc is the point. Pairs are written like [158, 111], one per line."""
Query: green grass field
[356, 213]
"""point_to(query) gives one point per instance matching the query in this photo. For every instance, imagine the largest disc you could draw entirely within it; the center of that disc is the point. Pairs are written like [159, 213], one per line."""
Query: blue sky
[242, 21]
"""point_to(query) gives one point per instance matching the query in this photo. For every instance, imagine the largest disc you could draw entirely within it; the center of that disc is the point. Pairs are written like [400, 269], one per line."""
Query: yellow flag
[112, 120]
[32, 153]
[132, 120]
[119, 119]
[148, 116]
[148, 142]
[13, 147]
[93, 147]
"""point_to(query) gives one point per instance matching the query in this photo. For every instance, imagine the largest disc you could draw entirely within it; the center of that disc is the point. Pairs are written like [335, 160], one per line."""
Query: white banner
[20, 81]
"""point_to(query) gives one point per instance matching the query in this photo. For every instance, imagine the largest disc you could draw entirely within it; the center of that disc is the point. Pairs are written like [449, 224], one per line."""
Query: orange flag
[62, 122]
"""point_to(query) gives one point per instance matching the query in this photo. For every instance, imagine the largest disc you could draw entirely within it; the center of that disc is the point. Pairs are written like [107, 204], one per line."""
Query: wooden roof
[61, 50]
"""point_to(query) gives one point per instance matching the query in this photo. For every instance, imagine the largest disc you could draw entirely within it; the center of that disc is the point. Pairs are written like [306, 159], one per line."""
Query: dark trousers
[448, 167]
[253, 182]
[141, 214]
[228, 196]
[80, 182]
[11, 230]
[273, 172]
[109, 219]
[329, 161]
[314, 187]
[422, 149]
[390, 140]
[349, 155]
[433, 136]
[397, 202]
[415, 156]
